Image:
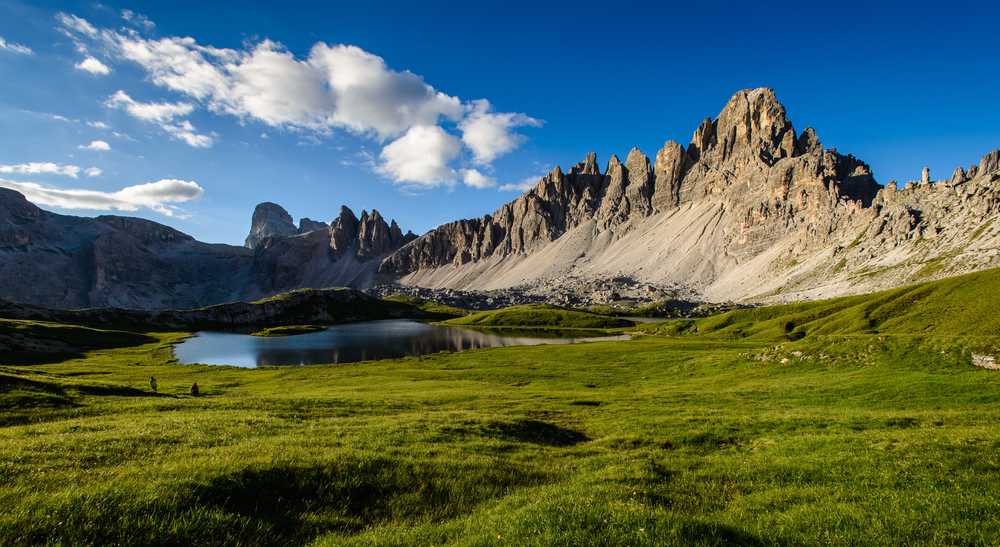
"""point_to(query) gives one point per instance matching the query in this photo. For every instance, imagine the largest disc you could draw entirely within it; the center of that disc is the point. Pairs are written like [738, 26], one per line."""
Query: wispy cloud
[336, 87]
[16, 48]
[523, 186]
[150, 112]
[72, 22]
[137, 19]
[42, 168]
[153, 195]
[163, 114]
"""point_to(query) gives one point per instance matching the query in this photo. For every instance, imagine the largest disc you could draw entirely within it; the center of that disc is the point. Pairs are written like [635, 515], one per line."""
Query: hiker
[152, 384]
[194, 390]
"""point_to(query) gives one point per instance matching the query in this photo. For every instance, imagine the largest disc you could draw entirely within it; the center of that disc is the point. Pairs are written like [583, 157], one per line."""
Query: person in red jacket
[194, 390]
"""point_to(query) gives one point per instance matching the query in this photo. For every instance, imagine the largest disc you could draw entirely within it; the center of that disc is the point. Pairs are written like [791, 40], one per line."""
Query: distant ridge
[749, 210]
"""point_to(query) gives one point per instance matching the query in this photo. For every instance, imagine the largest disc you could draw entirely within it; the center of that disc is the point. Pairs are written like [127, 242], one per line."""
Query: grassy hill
[857, 421]
[966, 305]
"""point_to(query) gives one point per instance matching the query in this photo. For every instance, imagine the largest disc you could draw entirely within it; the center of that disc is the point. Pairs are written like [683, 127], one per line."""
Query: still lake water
[354, 342]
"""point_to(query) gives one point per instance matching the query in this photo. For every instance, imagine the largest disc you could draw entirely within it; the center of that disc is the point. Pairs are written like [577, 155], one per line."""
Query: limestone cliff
[753, 178]
[749, 210]
[269, 219]
[344, 253]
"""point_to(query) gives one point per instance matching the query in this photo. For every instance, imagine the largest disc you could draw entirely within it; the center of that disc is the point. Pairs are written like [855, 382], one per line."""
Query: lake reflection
[355, 342]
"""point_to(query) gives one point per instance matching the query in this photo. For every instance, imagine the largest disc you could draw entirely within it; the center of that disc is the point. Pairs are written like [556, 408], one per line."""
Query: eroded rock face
[269, 219]
[307, 225]
[346, 252]
[748, 209]
[990, 163]
[748, 159]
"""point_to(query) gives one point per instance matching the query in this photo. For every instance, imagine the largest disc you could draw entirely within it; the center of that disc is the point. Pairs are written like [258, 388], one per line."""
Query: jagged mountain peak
[747, 159]
[269, 219]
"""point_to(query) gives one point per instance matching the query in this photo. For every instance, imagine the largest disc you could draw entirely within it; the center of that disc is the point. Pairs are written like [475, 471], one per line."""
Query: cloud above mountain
[429, 138]
[153, 195]
[49, 168]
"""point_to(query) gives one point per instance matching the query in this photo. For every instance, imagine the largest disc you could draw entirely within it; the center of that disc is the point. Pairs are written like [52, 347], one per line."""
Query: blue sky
[191, 113]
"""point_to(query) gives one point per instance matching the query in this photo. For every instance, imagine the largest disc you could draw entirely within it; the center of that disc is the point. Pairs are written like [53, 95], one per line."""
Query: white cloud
[153, 195]
[150, 112]
[488, 134]
[16, 48]
[93, 66]
[96, 145]
[75, 23]
[92, 171]
[476, 179]
[99, 125]
[334, 87]
[371, 97]
[421, 156]
[523, 186]
[45, 167]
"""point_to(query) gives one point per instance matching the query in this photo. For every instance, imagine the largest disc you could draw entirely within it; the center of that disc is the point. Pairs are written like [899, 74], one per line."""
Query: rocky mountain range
[749, 210]
[64, 261]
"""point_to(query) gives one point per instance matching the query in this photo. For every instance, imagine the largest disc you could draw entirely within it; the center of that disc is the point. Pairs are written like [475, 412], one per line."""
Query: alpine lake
[366, 341]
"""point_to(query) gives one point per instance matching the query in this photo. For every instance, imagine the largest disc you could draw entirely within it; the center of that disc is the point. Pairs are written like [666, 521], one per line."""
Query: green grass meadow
[845, 422]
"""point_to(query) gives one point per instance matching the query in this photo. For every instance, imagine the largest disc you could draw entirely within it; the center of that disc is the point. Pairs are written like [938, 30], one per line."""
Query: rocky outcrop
[344, 253]
[307, 225]
[376, 238]
[269, 219]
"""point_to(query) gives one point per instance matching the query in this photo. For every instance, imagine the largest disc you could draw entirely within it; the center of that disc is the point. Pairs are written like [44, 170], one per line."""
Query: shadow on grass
[23, 400]
[293, 504]
[535, 432]
[31, 358]
[699, 533]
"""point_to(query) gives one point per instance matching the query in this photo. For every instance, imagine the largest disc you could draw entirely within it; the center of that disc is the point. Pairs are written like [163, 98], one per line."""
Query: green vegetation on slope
[539, 315]
[871, 427]
[439, 310]
[290, 330]
[965, 305]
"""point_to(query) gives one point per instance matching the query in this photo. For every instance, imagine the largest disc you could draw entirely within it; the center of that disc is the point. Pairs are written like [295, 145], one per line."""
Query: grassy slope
[966, 305]
[858, 439]
[439, 310]
[538, 315]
